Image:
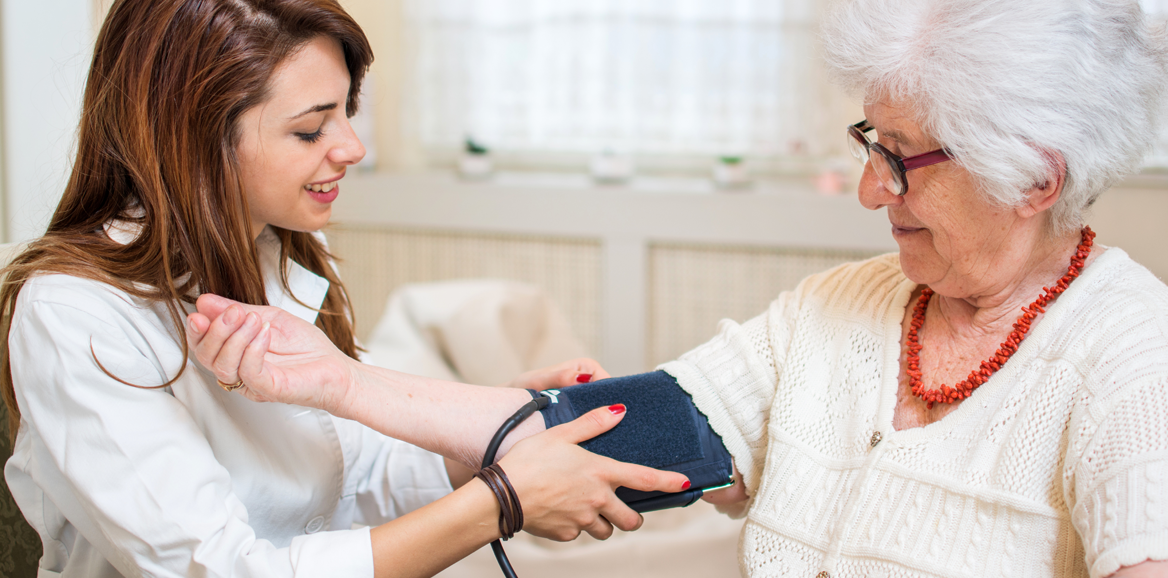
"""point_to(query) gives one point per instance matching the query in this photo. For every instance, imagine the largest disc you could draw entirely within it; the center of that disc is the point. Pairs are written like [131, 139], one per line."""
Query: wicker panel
[692, 287]
[20, 546]
[374, 262]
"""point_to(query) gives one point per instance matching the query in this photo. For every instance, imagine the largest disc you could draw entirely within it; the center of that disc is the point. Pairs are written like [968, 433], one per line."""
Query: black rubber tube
[517, 418]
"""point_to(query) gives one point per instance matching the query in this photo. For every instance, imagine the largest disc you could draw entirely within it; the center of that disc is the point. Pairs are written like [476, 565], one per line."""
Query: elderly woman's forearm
[455, 420]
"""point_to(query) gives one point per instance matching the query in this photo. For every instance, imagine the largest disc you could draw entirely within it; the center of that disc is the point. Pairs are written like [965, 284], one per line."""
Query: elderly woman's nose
[873, 194]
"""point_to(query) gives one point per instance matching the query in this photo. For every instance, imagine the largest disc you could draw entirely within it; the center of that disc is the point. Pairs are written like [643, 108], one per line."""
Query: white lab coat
[187, 480]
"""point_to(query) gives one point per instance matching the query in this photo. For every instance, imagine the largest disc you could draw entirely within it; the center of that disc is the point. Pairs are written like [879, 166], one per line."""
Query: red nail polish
[685, 486]
[584, 378]
[617, 409]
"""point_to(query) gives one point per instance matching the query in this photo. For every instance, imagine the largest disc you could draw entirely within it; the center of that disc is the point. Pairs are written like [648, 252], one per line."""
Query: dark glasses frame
[893, 180]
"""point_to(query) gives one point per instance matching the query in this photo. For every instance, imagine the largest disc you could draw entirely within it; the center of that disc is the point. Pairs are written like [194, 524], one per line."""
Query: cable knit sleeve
[732, 379]
[1116, 467]
[1121, 481]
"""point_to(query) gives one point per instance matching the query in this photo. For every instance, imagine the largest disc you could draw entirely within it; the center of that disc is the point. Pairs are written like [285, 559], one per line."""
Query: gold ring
[230, 386]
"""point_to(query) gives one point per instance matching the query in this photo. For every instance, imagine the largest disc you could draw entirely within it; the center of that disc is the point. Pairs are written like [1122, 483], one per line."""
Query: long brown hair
[157, 147]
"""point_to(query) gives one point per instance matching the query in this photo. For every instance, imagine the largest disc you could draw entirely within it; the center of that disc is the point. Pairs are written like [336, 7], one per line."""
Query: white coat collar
[308, 289]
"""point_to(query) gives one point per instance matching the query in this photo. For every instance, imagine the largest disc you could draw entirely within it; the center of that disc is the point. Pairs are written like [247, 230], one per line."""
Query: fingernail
[685, 486]
[617, 409]
[584, 378]
[231, 315]
[191, 324]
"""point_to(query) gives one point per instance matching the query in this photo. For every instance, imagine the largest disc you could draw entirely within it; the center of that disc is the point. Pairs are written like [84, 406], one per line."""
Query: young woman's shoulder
[57, 308]
[90, 296]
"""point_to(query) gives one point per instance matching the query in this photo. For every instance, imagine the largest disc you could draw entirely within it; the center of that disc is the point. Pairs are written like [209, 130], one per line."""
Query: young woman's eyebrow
[316, 108]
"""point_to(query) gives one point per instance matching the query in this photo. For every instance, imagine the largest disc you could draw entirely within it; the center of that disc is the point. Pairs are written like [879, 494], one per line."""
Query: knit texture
[1056, 466]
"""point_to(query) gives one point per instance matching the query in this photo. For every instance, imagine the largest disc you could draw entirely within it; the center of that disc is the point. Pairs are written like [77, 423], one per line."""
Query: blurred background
[653, 165]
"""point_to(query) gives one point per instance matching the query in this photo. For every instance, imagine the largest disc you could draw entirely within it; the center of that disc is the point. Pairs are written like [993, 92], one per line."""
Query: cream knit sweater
[1056, 466]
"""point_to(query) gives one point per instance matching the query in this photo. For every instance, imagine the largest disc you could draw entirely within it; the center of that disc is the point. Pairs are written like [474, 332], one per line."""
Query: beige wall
[383, 22]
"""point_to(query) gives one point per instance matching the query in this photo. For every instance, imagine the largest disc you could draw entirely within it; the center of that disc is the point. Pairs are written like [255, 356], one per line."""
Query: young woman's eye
[310, 137]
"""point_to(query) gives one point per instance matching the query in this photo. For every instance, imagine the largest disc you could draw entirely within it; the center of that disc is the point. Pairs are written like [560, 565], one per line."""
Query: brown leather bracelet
[510, 512]
[517, 509]
[506, 518]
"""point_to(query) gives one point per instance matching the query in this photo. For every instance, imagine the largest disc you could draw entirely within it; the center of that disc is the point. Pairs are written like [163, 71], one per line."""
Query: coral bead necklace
[962, 390]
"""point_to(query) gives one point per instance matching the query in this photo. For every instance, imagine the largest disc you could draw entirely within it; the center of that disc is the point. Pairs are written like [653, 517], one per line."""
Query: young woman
[213, 139]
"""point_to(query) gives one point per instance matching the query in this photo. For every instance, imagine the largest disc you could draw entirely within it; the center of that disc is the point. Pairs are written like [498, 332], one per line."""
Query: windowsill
[782, 213]
[770, 213]
[627, 220]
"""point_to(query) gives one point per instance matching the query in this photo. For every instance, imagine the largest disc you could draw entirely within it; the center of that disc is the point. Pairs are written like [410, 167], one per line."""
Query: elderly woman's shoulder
[858, 289]
[1116, 280]
[1114, 326]
[878, 274]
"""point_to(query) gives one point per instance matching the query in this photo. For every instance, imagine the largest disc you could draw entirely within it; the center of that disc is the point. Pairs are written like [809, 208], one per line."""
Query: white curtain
[645, 77]
[692, 77]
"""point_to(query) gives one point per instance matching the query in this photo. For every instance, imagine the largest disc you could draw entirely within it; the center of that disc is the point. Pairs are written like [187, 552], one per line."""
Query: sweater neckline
[992, 388]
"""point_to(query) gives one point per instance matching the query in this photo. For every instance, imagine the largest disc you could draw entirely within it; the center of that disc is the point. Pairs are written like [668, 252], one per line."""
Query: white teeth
[321, 188]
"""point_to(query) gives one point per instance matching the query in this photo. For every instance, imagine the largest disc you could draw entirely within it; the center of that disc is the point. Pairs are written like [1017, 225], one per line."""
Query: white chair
[487, 332]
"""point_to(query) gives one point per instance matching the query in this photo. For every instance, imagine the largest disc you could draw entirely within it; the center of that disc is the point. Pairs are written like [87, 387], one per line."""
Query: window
[675, 83]
[674, 79]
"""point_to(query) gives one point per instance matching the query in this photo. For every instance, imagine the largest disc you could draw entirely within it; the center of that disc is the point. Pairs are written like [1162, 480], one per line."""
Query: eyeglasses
[890, 169]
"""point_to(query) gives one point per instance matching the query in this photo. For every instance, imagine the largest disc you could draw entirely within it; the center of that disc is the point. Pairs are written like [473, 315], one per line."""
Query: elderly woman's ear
[1044, 194]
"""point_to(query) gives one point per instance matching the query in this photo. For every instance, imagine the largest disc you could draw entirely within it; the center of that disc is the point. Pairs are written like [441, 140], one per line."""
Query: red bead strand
[946, 394]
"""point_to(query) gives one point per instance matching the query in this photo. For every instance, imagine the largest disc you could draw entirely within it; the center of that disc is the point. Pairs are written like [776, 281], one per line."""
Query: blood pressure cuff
[662, 430]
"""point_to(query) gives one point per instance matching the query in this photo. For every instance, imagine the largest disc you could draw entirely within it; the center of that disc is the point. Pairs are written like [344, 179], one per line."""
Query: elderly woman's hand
[278, 356]
[568, 373]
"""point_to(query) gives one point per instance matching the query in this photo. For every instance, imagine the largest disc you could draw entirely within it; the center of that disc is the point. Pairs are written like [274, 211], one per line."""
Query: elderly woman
[993, 399]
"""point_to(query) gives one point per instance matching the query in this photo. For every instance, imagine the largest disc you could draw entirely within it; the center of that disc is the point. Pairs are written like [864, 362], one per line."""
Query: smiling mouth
[322, 188]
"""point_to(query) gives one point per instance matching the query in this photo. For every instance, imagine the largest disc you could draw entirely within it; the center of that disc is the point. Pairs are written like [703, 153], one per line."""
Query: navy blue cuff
[662, 429]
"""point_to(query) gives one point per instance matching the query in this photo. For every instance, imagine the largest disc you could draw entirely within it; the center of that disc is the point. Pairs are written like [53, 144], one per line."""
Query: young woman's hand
[568, 373]
[565, 489]
[278, 356]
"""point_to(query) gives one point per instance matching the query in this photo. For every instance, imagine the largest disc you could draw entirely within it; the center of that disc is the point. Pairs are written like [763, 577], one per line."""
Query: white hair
[1004, 83]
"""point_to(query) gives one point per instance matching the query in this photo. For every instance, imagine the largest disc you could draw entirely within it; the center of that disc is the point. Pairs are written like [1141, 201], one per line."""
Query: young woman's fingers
[213, 305]
[252, 369]
[209, 338]
[197, 325]
[589, 370]
[632, 476]
[618, 514]
[222, 326]
[601, 529]
[647, 479]
[226, 364]
[589, 425]
[566, 374]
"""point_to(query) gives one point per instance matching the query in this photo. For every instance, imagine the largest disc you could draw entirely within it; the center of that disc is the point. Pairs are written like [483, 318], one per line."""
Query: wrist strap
[510, 512]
